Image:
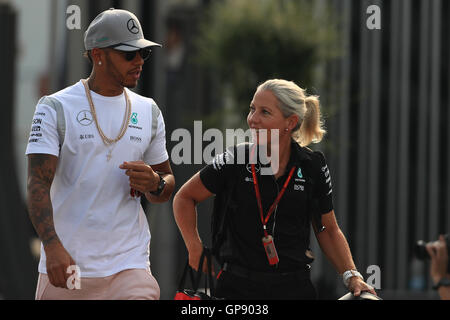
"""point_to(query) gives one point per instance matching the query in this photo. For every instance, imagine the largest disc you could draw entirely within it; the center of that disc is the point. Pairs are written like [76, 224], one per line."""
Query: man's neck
[105, 87]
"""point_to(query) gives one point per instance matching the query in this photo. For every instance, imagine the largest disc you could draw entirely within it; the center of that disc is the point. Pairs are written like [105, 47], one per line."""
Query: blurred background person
[439, 266]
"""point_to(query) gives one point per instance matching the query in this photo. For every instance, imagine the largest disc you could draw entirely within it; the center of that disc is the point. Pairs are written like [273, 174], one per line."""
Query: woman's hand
[195, 253]
[357, 286]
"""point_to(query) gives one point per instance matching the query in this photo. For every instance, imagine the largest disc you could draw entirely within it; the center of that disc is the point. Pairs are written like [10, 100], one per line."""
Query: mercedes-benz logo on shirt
[84, 117]
[132, 26]
[249, 167]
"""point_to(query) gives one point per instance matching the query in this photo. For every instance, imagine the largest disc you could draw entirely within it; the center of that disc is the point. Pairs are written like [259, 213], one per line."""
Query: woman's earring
[99, 63]
[287, 129]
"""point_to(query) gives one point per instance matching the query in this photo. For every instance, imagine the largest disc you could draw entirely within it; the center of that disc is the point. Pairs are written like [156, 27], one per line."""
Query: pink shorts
[131, 284]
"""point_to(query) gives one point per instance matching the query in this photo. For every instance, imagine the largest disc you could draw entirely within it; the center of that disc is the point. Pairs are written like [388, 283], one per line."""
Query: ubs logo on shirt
[84, 117]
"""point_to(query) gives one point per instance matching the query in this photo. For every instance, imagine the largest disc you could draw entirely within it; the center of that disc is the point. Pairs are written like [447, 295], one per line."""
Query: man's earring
[99, 63]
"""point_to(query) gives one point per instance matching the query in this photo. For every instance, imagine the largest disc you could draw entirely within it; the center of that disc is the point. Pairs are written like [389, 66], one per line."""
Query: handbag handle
[187, 269]
[195, 280]
[206, 254]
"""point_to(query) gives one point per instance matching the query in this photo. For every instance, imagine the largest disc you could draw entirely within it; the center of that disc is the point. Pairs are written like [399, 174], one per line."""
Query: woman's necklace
[109, 143]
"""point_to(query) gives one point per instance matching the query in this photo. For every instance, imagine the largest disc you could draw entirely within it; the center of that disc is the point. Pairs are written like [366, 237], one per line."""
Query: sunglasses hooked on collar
[130, 55]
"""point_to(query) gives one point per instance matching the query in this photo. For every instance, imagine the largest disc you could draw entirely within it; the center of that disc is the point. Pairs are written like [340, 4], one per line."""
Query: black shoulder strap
[222, 203]
[314, 213]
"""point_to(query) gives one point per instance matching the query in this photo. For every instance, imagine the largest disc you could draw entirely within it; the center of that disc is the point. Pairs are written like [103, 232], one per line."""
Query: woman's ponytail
[311, 129]
[293, 100]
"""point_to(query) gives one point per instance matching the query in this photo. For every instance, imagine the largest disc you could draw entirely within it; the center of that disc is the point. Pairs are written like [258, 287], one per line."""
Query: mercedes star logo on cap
[132, 27]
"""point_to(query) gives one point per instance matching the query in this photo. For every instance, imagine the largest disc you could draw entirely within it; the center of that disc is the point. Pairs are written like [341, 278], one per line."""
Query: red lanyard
[275, 203]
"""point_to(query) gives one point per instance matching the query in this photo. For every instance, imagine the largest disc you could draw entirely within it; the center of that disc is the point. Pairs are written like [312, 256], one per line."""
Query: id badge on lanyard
[271, 251]
[267, 240]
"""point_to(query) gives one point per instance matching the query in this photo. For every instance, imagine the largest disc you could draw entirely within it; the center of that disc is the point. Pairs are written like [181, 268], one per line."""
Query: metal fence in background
[389, 135]
[18, 269]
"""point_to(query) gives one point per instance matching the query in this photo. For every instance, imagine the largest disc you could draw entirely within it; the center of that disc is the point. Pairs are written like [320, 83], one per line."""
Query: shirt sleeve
[323, 190]
[156, 152]
[43, 133]
[214, 175]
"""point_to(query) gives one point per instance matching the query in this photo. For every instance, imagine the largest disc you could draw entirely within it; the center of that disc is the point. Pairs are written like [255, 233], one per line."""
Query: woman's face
[265, 114]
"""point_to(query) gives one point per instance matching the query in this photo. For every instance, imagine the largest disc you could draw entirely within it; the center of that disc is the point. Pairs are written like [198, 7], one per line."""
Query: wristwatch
[349, 274]
[161, 185]
[443, 282]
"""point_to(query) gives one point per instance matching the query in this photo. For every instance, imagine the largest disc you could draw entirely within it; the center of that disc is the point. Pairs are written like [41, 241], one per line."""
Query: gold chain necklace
[109, 143]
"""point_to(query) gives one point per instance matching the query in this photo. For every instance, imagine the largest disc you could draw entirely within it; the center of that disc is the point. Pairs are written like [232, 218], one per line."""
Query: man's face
[120, 70]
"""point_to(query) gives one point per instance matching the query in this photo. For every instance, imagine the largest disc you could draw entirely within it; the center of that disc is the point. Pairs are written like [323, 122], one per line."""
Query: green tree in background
[247, 42]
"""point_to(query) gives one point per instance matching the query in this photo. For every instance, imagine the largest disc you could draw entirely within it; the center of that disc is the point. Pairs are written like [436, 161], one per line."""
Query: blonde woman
[261, 222]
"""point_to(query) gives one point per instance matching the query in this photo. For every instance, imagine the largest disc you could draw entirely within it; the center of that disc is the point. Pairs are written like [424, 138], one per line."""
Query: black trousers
[236, 286]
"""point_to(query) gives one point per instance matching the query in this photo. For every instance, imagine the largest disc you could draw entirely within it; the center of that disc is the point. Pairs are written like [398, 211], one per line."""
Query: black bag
[194, 293]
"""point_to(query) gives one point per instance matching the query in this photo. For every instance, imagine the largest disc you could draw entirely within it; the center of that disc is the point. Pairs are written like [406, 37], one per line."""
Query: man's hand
[58, 262]
[141, 176]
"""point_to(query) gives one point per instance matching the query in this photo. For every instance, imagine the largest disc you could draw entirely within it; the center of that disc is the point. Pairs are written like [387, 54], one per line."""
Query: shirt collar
[298, 154]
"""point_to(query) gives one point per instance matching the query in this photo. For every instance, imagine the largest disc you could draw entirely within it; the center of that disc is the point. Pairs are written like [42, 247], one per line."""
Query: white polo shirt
[102, 227]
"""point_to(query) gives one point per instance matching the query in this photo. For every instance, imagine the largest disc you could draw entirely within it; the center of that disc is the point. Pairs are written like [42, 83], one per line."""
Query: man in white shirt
[95, 147]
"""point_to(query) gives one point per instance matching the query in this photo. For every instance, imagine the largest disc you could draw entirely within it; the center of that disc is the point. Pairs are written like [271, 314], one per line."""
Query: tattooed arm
[41, 170]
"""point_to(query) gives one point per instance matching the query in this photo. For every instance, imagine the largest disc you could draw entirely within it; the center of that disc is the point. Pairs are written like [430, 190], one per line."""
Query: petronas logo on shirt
[299, 173]
[134, 119]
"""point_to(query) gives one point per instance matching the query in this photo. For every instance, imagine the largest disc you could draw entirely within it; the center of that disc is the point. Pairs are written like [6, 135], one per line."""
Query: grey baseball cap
[116, 26]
